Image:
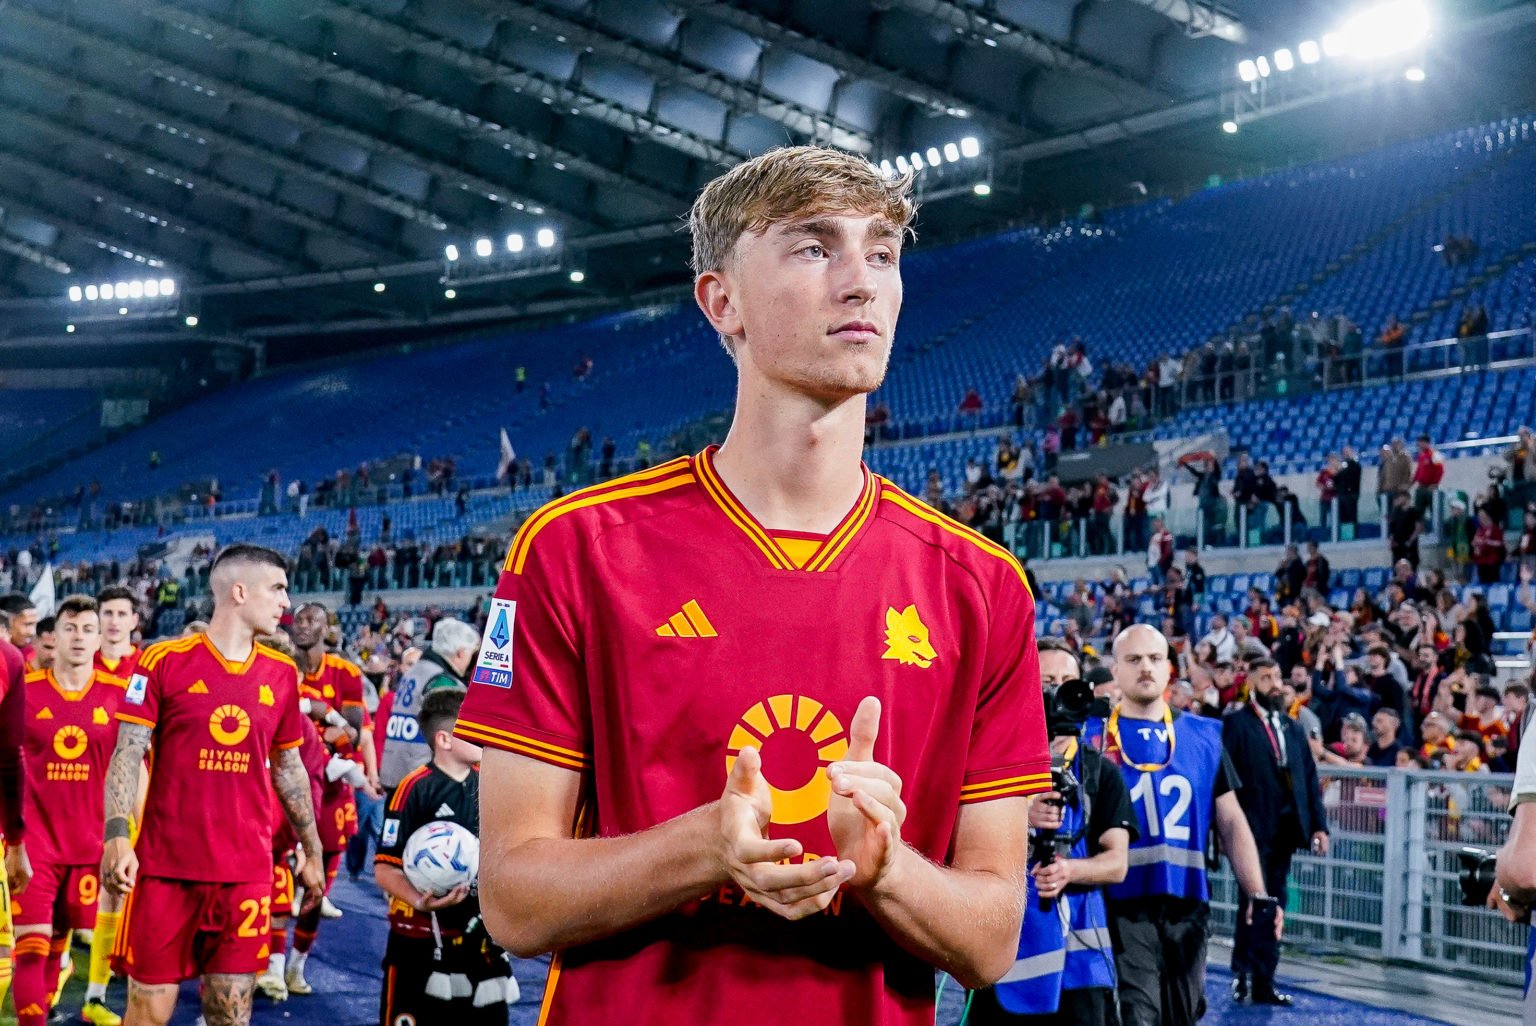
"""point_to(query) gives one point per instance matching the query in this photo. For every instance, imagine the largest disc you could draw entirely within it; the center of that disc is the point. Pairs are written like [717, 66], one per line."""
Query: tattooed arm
[291, 783]
[119, 865]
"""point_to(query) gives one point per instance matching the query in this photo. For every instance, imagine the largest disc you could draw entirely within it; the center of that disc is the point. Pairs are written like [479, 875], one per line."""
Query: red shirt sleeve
[349, 691]
[1009, 753]
[13, 724]
[527, 691]
[386, 705]
[141, 699]
[290, 725]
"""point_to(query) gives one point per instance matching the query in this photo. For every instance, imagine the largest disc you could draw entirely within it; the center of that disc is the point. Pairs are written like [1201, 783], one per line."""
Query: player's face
[1057, 667]
[45, 648]
[118, 621]
[23, 627]
[1141, 665]
[812, 304]
[263, 597]
[308, 627]
[78, 638]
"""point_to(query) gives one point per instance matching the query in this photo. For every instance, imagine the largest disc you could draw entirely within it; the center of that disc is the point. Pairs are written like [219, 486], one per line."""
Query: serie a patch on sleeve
[494, 665]
[391, 832]
[138, 688]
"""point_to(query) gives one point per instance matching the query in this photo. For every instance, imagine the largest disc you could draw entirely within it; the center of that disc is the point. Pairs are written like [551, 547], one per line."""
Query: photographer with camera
[1080, 831]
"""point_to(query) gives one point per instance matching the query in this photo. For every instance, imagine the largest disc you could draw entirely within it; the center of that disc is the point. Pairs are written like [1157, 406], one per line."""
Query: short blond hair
[786, 183]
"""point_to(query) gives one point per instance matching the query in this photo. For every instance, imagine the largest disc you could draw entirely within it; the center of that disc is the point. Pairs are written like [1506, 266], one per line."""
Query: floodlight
[902, 165]
[887, 168]
[969, 147]
[578, 277]
[1229, 127]
[982, 189]
[451, 252]
[545, 237]
[916, 159]
[91, 292]
[932, 153]
[191, 320]
[482, 247]
[151, 288]
[1386, 28]
[450, 294]
[1247, 70]
[1263, 65]
[951, 152]
[1334, 44]
[106, 291]
[1283, 60]
[167, 287]
[76, 294]
[135, 290]
[514, 243]
[1309, 52]
[1414, 74]
[379, 286]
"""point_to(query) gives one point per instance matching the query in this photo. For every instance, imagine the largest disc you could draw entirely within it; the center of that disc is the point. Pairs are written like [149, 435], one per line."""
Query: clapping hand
[866, 810]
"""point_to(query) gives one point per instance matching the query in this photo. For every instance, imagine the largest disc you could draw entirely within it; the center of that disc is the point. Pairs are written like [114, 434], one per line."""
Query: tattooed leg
[149, 1004]
[227, 999]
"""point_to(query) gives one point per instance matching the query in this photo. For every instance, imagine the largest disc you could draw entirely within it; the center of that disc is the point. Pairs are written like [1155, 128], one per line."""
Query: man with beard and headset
[1283, 803]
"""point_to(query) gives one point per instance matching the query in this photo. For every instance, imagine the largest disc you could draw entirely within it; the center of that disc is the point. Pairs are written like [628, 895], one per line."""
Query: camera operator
[1514, 890]
[1065, 973]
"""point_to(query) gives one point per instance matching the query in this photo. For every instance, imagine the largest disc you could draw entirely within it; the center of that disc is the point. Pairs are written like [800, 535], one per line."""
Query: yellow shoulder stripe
[959, 530]
[160, 649]
[34, 676]
[646, 482]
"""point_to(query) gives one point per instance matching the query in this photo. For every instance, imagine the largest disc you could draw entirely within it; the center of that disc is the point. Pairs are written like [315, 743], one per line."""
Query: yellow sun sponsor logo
[69, 742]
[229, 724]
[906, 638]
[798, 738]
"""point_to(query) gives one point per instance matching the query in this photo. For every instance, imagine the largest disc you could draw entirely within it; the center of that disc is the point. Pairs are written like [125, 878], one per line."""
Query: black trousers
[1255, 949]
[408, 962]
[1092, 1006]
[1160, 956]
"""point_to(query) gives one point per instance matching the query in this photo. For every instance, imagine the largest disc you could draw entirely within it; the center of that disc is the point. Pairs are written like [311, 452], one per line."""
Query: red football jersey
[70, 738]
[645, 630]
[122, 668]
[208, 815]
[339, 684]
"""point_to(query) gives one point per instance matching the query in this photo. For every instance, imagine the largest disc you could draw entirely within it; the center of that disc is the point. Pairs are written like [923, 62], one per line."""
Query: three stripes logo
[689, 623]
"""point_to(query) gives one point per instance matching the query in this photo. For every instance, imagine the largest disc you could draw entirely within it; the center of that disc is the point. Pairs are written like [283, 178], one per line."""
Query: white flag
[504, 465]
[43, 596]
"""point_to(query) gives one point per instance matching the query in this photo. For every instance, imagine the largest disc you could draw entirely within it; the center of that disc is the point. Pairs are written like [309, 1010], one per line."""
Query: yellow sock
[102, 941]
[5, 975]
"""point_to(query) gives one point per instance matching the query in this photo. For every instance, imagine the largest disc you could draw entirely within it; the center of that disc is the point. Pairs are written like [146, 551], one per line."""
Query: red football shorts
[58, 896]
[337, 818]
[174, 930]
[282, 888]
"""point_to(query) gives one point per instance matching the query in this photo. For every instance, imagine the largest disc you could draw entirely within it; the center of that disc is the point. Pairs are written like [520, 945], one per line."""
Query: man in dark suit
[1283, 802]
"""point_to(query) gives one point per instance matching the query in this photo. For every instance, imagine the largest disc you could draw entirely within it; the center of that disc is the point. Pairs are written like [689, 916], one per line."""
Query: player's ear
[714, 292]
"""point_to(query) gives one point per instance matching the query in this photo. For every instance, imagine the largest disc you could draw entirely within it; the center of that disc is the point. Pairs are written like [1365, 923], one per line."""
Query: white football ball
[441, 856]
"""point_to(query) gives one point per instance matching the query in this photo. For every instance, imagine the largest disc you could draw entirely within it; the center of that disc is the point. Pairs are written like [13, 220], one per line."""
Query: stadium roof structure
[301, 167]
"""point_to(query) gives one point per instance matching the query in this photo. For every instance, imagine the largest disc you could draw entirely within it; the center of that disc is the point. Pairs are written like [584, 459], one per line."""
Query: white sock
[95, 991]
[277, 963]
[296, 961]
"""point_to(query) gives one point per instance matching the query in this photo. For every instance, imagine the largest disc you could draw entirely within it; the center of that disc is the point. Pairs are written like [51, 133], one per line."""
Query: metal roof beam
[145, 209]
[464, 123]
[421, 42]
[819, 126]
[1199, 19]
[202, 180]
[980, 24]
[930, 98]
[33, 254]
[151, 115]
[41, 209]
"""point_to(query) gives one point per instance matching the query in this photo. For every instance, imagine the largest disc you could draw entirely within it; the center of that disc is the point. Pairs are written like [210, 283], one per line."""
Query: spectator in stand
[1403, 530]
[1118, 413]
[1289, 575]
[1067, 424]
[1466, 755]
[1169, 369]
[1456, 534]
[1392, 339]
[1437, 742]
[1134, 523]
[1381, 682]
[1427, 678]
[1353, 745]
[1337, 690]
[1483, 714]
[1525, 549]
[1023, 402]
[1327, 490]
[1428, 469]
[1206, 470]
[1159, 552]
[1394, 473]
[1100, 536]
[1346, 483]
[1319, 574]
[1194, 573]
[1488, 550]
[971, 405]
[1245, 494]
[1221, 639]
[1384, 738]
[1472, 330]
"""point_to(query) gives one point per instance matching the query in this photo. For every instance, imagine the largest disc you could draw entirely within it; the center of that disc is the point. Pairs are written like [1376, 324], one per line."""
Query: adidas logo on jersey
[689, 623]
[198, 689]
[45, 713]
[443, 810]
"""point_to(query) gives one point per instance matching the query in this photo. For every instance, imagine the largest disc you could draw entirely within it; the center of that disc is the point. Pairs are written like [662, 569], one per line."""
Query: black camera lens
[1478, 870]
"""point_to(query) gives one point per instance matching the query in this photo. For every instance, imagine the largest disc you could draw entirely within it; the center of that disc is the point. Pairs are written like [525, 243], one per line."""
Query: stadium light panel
[451, 252]
[887, 168]
[916, 160]
[932, 153]
[167, 287]
[982, 189]
[483, 248]
[122, 311]
[1263, 65]
[1284, 60]
[1229, 127]
[514, 243]
[379, 286]
[1414, 74]
[545, 238]
[1247, 70]
[106, 291]
[578, 277]
[152, 288]
[450, 294]
[902, 165]
[191, 320]
[1309, 52]
[1387, 28]
[92, 292]
[76, 293]
[969, 147]
[1334, 45]
[135, 290]
[69, 328]
[951, 152]
[120, 290]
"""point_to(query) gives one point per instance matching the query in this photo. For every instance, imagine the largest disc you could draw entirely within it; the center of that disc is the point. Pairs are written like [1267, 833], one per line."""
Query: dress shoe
[1272, 997]
[1240, 987]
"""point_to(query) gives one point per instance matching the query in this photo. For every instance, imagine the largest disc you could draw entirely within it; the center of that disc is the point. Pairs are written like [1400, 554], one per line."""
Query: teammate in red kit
[71, 732]
[764, 684]
[118, 656]
[13, 711]
[216, 706]
[331, 691]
